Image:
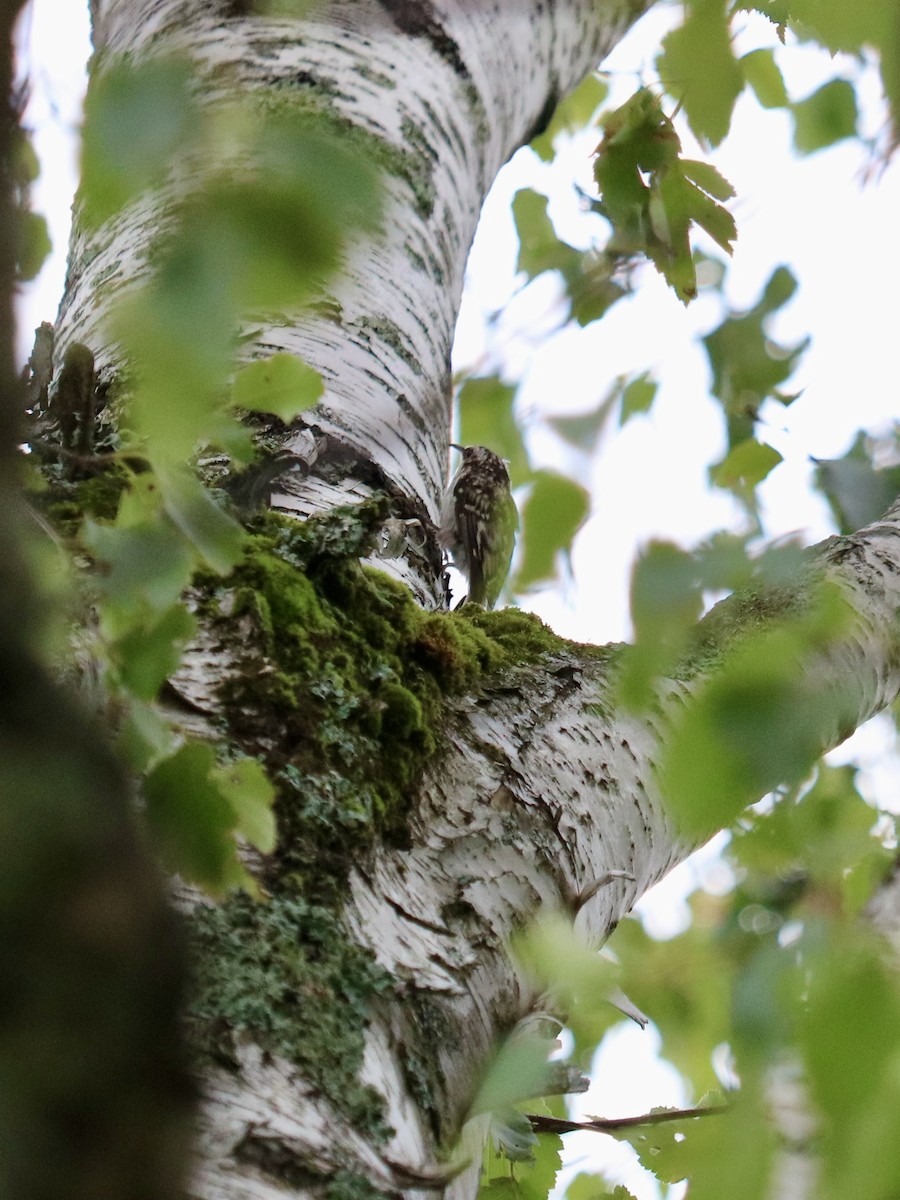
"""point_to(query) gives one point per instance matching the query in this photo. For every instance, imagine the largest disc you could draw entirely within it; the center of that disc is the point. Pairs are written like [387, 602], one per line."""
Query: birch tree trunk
[543, 795]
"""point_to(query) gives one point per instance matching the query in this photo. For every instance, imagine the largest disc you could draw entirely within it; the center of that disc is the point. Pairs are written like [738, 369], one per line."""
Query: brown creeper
[479, 522]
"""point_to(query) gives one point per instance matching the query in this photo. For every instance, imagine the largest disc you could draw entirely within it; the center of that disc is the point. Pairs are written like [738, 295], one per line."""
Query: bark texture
[448, 92]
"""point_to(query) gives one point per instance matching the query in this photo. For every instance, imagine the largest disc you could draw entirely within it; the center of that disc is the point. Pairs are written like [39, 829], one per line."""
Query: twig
[541, 1124]
[98, 461]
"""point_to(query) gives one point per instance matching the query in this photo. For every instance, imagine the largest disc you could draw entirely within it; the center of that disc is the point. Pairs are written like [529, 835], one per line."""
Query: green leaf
[138, 115]
[583, 430]
[846, 27]
[698, 67]
[144, 736]
[752, 727]
[486, 418]
[855, 28]
[282, 384]
[637, 396]
[729, 1154]
[147, 566]
[666, 601]
[560, 962]
[539, 1178]
[706, 177]
[281, 239]
[251, 796]
[514, 1137]
[746, 466]
[821, 834]
[592, 1187]
[34, 245]
[540, 248]
[777, 11]
[857, 492]
[148, 654]
[764, 75]
[192, 818]
[518, 1071]
[501, 1188]
[825, 117]
[574, 112]
[216, 537]
[652, 197]
[554, 511]
[850, 1029]
[747, 365]
[665, 595]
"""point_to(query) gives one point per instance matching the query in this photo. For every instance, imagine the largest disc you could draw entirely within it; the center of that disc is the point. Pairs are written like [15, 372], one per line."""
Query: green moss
[67, 502]
[340, 686]
[346, 1185]
[284, 973]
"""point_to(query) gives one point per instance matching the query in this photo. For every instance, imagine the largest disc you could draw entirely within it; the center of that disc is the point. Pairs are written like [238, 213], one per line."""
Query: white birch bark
[539, 798]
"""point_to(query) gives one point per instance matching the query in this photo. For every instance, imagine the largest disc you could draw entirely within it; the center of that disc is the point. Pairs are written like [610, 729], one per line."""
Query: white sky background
[814, 215]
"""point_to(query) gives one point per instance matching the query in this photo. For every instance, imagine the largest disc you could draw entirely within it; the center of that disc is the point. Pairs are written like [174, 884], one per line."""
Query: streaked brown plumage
[479, 522]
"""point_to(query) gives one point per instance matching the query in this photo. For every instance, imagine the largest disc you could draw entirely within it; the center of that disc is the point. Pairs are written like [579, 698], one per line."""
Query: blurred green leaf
[518, 1071]
[145, 736]
[33, 245]
[745, 466]
[148, 654]
[754, 725]
[251, 796]
[583, 430]
[147, 566]
[138, 116]
[573, 113]
[697, 66]
[846, 27]
[554, 511]
[666, 602]
[192, 819]
[579, 978]
[764, 75]
[216, 537]
[637, 396]
[747, 365]
[540, 248]
[282, 384]
[824, 834]
[851, 1030]
[857, 491]
[665, 594]
[592, 1187]
[25, 164]
[825, 117]
[855, 28]
[486, 418]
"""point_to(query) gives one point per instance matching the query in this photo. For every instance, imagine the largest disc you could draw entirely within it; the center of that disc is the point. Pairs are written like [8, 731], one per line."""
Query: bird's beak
[456, 446]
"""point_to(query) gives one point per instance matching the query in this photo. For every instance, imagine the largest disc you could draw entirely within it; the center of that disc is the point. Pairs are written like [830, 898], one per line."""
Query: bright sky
[814, 215]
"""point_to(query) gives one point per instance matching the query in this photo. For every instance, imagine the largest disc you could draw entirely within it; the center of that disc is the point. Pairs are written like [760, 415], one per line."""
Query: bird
[478, 523]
